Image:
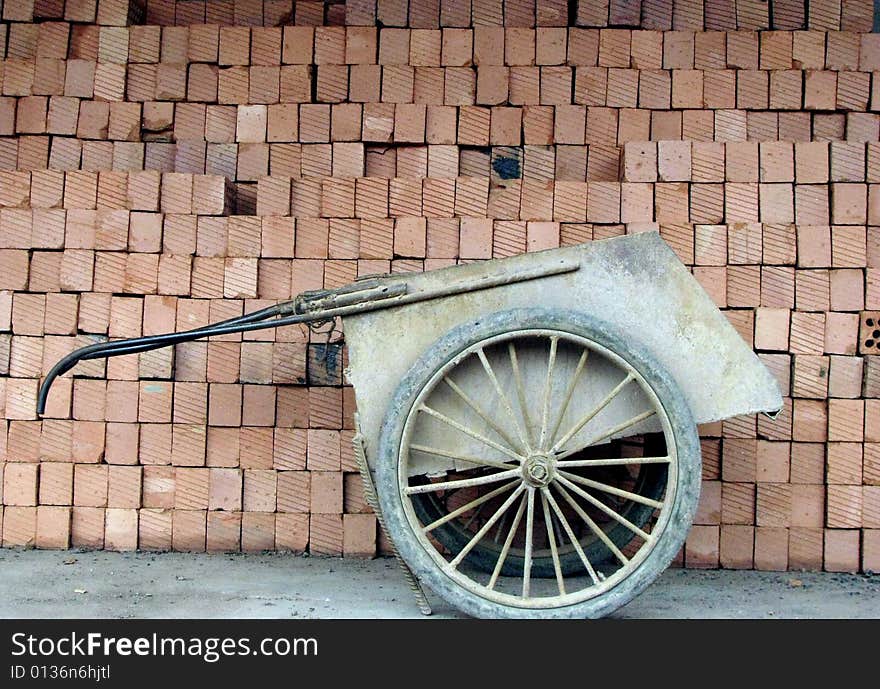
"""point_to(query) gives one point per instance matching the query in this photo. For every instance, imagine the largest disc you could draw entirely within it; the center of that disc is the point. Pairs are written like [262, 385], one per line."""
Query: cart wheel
[501, 462]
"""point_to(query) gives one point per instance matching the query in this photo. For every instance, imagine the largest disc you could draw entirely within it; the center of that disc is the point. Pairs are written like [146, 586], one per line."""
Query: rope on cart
[373, 501]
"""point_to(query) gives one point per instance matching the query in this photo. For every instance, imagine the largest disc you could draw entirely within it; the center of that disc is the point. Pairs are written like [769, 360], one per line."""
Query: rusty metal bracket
[319, 301]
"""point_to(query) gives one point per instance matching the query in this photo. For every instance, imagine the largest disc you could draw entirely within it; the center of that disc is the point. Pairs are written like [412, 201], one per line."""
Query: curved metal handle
[134, 345]
[306, 308]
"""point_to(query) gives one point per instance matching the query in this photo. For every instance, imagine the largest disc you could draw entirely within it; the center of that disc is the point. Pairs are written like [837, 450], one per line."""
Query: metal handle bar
[290, 313]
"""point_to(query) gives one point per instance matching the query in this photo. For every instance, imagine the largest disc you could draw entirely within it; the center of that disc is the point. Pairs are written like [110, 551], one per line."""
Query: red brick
[224, 405]
[359, 535]
[56, 483]
[90, 485]
[846, 420]
[772, 329]
[841, 550]
[542, 235]
[847, 289]
[257, 531]
[154, 529]
[223, 532]
[188, 531]
[158, 487]
[53, 527]
[845, 378]
[23, 442]
[476, 238]
[210, 195]
[871, 550]
[87, 527]
[771, 548]
[326, 534]
[255, 448]
[14, 269]
[326, 492]
[849, 203]
[814, 246]
[292, 532]
[674, 161]
[20, 482]
[410, 237]
[259, 491]
[702, 548]
[737, 547]
[88, 442]
[709, 510]
[177, 193]
[640, 162]
[19, 526]
[807, 505]
[121, 529]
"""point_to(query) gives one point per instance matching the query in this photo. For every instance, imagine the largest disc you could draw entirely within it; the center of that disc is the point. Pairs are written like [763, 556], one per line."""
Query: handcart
[527, 426]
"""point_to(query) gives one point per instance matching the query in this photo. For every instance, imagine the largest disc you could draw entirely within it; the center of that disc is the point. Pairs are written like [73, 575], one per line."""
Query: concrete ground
[52, 584]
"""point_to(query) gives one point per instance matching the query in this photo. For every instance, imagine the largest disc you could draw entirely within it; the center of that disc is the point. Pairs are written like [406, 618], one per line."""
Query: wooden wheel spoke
[467, 431]
[461, 483]
[530, 534]
[568, 394]
[612, 461]
[463, 458]
[558, 531]
[478, 502]
[456, 561]
[619, 518]
[593, 526]
[478, 512]
[571, 537]
[614, 430]
[488, 420]
[593, 412]
[548, 387]
[487, 367]
[520, 390]
[554, 551]
[505, 549]
[501, 524]
[604, 487]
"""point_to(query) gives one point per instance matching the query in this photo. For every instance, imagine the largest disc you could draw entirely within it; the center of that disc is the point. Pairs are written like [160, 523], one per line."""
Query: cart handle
[309, 307]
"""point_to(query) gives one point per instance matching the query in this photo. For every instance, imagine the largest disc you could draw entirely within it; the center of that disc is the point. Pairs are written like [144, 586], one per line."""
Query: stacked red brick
[798, 292]
[162, 176]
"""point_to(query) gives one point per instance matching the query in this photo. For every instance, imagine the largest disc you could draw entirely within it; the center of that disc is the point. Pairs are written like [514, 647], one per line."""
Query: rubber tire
[684, 430]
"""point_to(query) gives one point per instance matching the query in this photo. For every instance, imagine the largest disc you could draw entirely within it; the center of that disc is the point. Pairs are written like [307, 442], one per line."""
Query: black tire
[680, 506]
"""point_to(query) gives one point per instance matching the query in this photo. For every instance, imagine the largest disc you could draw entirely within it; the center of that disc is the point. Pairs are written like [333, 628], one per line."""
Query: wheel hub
[538, 470]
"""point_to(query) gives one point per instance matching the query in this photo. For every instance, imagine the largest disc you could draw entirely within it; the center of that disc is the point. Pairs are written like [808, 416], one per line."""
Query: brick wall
[161, 175]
